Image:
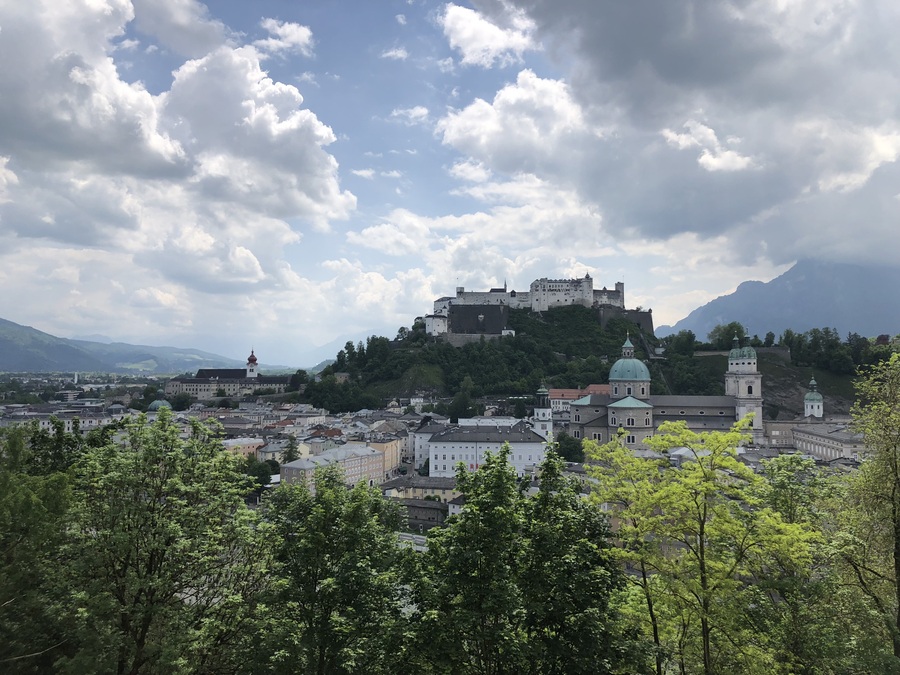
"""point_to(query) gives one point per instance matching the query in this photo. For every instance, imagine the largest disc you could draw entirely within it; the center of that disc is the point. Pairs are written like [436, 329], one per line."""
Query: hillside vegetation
[568, 348]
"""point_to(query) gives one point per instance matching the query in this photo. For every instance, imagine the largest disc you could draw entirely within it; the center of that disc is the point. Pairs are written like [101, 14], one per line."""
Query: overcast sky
[282, 174]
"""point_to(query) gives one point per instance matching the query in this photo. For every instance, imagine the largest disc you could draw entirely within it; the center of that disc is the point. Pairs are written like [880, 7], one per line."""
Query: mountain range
[812, 294]
[26, 349]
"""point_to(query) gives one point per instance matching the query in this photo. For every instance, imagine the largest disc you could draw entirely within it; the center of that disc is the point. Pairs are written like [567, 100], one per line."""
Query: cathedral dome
[628, 368]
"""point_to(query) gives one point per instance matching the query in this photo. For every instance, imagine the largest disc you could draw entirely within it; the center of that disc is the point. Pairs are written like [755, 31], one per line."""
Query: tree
[291, 450]
[630, 487]
[569, 448]
[182, 401]
[873, 553]
[684, 342]
[695, 537]
[165, 562]
[722, 336]
[33, 521]
[339, 606]
[516, 584]
[716, 534]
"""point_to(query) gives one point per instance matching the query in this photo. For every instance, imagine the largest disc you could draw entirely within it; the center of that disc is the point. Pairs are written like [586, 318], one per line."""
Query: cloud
[713, 157]
[474, 172]
[401, 19]
[184, 26]
[532, 123]
[368, 174]
[395, 54]
[410, 116]
[285, 37]
[484, 43]
[748, 121]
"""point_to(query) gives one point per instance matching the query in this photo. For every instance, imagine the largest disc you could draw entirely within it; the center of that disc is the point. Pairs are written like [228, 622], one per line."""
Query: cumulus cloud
[532, 123]
[752, 120]
[184, 26]
[484, 43]
[285, 37]
[199, 189]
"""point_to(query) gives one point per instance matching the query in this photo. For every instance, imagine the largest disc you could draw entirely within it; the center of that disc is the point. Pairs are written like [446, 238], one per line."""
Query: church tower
[543, 413]
[813, 402]
[743, 381]
[251, 365]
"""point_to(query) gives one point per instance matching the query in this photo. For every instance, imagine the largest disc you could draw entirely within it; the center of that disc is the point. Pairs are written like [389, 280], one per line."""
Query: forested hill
[567, 348]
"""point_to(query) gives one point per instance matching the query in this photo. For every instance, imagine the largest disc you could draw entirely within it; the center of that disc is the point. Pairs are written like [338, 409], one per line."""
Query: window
[628, 391]
[615, 389]
[629, 439]
[629, 422]
[612, 421]
[598, 436]
[647, 422]
[643, 391]
[576, 434]
[577, 417]
[749, 389]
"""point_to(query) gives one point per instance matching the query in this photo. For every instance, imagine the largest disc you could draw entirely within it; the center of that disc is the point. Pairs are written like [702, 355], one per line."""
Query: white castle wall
[543, 294]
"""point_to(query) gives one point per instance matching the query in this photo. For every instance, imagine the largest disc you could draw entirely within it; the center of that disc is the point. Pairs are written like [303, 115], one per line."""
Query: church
[632, 407]
[211, 383]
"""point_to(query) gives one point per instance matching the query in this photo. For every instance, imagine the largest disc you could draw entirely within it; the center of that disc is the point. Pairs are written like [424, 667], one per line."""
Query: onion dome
[251, 358]
[813, 396]
[738, 352]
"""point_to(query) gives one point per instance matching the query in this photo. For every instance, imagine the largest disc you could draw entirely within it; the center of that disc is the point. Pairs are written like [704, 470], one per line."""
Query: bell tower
[743, 381]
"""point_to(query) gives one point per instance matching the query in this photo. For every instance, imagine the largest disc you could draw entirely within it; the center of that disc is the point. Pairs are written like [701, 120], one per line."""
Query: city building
[630, 406]
[220, 382]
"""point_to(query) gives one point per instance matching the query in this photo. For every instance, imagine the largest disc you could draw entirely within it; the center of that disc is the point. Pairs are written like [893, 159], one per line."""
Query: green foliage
[872, 549]
[339, 605]
[291, 450]
[722, 336]
[164, 562]
[516, 584]
[562, 347]
[696, 535]
[570, 449]
[33, 517]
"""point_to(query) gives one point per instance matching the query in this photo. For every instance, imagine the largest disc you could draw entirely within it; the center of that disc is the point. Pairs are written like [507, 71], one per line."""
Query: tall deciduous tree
[873, 548]
[165, 561]
[717, 535]
[339, 606]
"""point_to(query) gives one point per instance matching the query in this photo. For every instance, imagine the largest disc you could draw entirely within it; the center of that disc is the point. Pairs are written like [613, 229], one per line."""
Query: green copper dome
[738, 352]
[813, 396]
[628, 368]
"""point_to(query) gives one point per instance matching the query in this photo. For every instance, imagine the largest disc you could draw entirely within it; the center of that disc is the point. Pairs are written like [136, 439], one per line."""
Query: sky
[284, 175]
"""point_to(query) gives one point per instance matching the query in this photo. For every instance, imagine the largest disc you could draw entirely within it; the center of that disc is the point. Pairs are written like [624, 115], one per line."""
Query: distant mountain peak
[812, 294]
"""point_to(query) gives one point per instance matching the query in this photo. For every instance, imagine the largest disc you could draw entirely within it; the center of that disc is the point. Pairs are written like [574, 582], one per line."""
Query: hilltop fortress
[473, 314]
